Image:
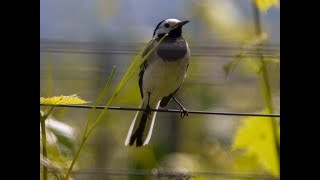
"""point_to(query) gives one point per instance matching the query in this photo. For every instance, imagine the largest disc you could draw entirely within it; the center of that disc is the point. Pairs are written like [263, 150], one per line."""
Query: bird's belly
[162, 78]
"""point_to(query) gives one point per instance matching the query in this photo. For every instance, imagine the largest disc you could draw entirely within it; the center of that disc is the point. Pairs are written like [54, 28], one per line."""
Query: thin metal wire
[227, 50]
[93, 44]
[165, 110]
[169, 173]
[85, 51]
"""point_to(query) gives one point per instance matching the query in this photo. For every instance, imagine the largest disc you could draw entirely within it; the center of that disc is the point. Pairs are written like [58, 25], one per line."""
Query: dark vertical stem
[44, 139]
[257, 23]
[263, 75]
[44, 147]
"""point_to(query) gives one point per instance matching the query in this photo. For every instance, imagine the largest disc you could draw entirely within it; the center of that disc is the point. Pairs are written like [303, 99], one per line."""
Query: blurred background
[80, 42]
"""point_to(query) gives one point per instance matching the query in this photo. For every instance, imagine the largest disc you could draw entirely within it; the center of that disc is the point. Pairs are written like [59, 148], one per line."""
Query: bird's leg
[147, 110]
[183, 110]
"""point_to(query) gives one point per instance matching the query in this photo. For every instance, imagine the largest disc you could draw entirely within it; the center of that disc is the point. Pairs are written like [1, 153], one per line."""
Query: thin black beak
[182, 23]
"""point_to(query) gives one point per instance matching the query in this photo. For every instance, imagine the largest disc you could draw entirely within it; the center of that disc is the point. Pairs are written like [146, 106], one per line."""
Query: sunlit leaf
[265, 5]
[241, 164]
[56, 100]
[64, 135]
[256, 137]
[60, 136]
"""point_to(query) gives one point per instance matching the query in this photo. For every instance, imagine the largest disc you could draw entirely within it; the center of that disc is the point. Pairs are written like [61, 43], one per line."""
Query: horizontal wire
[130, 51]
[224, 50]
[84, 51]
[101, 43]
[169, 173]
[165, 110]
[202, 45]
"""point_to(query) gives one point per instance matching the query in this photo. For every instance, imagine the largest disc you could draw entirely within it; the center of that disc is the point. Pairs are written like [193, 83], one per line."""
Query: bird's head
[173, 27]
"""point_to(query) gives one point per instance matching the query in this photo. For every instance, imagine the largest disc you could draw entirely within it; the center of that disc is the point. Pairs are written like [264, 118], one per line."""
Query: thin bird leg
[183, 110]
[147, 110]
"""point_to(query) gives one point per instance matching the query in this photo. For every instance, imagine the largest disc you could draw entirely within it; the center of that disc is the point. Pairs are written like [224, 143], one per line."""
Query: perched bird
[160, 78]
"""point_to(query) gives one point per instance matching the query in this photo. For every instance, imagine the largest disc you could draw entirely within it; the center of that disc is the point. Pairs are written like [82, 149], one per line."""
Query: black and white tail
[142, 124]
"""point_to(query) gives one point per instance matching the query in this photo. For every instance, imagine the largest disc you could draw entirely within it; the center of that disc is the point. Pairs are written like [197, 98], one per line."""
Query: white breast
[161, 78]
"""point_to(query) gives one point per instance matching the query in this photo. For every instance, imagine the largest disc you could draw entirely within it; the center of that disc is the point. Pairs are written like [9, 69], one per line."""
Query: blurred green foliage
[56, 138]
[60, 146]
[256, 138]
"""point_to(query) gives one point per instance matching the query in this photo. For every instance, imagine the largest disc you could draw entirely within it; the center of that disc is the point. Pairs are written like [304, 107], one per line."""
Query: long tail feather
[138, 128]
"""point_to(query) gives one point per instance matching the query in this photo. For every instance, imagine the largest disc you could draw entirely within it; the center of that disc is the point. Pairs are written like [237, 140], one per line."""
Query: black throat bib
[173, 47]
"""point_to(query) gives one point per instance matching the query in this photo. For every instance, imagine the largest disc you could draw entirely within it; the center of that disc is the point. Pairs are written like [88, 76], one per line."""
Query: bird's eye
[166, 25]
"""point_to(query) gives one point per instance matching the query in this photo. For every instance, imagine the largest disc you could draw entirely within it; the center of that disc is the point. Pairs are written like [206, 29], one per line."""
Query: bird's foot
[183, 112]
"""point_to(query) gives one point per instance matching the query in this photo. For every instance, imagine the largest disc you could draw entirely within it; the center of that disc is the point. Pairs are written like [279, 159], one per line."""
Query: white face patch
[166, 26]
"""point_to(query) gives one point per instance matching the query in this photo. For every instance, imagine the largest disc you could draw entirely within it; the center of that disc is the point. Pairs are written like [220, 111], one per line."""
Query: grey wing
[144, 66]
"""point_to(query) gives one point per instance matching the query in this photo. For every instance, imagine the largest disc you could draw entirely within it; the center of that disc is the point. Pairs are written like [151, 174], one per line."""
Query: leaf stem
[44, 140]
[84, 137]
[44, 148]
[44, 117]
[104, 90]
[264, 81]
[75, 158]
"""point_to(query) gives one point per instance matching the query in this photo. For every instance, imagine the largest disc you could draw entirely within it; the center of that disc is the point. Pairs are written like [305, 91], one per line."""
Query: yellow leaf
[264, 5]
[56, 100]
[256, 137]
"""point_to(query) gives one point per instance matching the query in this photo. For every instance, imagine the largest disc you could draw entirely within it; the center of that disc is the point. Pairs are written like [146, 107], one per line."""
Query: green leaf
[64, 135]
[255, 136]
[56, 100]
[265, 5]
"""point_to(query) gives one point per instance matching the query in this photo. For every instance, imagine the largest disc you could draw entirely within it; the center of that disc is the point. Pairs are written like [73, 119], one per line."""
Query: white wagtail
[160, 78]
